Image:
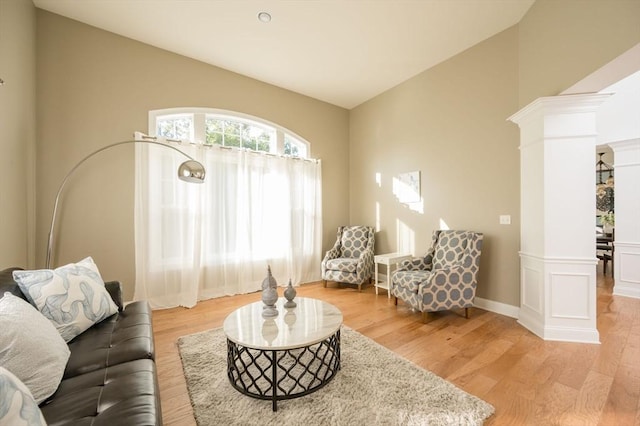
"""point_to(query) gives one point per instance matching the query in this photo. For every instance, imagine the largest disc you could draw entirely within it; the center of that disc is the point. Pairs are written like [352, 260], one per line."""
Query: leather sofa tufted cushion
[8, 284]
[107, 396]
[123, 337]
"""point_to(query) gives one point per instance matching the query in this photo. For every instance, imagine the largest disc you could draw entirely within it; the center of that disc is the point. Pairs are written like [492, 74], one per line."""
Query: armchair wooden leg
[466, 313]
[424, 317]
[324, 283]
[396, 300]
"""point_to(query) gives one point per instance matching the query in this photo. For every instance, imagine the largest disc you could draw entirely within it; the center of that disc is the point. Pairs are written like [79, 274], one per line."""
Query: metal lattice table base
[283, 374]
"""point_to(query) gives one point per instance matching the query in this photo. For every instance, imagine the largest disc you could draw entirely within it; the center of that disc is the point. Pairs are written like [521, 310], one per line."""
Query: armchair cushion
[354, 242]
[449, 249]
[343, 264]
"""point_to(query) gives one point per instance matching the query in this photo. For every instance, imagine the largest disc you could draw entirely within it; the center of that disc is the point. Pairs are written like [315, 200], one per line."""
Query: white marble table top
[310, 322]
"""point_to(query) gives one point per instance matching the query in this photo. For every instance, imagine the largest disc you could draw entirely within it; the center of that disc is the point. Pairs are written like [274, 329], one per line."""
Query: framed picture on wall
[406, 187]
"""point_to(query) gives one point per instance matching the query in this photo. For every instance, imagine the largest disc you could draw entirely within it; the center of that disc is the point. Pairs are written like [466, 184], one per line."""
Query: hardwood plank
[622, 406]
[528, 380]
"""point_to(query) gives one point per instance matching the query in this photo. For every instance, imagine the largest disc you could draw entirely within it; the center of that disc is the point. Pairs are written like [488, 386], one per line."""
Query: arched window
[260, 205]
[226, 128]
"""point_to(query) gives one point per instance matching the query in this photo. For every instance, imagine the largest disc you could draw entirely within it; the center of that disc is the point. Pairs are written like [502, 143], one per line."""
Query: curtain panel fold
[201, 241]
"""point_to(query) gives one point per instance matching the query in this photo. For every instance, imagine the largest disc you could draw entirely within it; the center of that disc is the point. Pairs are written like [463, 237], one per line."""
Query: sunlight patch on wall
[417, 207]
[377, 216]
[405, 238]
[443, 225]
[379, 179]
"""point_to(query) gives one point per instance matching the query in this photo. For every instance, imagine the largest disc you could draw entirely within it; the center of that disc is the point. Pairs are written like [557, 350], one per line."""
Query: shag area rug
[373, 387]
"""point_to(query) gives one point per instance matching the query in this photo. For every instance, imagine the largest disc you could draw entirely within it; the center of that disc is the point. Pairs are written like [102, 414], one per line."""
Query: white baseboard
[623, 289]
[497, 307]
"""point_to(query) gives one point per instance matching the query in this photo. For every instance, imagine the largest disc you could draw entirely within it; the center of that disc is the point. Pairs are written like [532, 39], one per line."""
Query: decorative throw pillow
[73, 296]
[30, 347]
[17, 406]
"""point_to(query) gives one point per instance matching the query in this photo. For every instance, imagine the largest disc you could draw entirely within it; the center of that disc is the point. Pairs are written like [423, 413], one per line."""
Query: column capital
[564, 104]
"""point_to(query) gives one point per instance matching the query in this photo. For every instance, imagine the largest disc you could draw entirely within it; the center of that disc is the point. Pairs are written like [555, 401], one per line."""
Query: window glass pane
[232, 127]
[261, 137]
[175, 127]
[230, 140]
[214, 131]
[248, 141]
[214, 138]
[294, 147]
[214, 125]
[239, 133]
[264, 142]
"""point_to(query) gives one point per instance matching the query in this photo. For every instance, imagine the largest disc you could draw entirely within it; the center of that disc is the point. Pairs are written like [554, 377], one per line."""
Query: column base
[558, 298]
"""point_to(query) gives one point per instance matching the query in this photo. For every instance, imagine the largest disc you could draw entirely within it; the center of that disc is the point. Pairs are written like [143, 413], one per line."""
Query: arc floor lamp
[189, 171]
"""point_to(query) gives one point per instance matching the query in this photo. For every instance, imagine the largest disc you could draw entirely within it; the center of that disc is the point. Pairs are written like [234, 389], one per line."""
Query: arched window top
[211, 126]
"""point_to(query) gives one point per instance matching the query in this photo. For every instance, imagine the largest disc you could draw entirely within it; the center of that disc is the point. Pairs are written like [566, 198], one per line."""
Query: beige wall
[95, 88]
[450, 123]
[17, 127]
[561, 42]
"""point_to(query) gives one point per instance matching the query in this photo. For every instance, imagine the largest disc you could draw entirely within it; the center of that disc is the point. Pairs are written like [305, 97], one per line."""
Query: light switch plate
[505, 219]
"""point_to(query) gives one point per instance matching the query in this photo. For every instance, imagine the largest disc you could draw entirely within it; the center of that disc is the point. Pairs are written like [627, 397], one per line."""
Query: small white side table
[388, 259]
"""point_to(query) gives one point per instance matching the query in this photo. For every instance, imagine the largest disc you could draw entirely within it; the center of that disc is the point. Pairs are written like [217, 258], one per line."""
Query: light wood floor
[528, 380]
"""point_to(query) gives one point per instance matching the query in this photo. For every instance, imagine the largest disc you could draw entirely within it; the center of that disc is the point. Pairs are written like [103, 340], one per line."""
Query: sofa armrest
[115, 291]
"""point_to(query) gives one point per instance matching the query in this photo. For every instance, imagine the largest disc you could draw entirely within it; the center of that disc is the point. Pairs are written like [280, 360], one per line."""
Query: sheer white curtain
[199, 241]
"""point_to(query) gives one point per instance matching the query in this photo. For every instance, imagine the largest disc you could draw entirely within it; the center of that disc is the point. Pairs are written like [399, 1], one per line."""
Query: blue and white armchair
[446, 278]
[350, 260]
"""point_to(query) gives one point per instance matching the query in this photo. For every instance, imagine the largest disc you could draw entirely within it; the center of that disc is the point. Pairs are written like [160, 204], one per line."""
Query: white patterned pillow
[73, 296]
[17, 406]
[30, 347]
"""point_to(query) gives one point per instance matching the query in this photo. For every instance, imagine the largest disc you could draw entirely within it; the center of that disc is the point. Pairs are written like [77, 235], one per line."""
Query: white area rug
[373, 387]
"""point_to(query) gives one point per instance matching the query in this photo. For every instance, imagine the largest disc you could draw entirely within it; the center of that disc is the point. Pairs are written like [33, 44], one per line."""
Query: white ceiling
[340, 51]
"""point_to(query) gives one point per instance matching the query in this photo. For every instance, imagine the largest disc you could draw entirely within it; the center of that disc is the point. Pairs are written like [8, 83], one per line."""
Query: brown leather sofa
[110, 378]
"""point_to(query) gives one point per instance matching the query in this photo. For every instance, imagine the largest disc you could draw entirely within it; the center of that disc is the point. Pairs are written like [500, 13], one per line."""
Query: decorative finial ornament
[289, 294]
[269, 295]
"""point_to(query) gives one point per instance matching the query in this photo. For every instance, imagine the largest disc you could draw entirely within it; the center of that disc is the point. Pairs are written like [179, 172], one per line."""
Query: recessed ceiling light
[264, 17]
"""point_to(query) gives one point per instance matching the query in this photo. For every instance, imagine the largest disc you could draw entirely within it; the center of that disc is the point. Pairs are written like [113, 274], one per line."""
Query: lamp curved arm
[189, 171]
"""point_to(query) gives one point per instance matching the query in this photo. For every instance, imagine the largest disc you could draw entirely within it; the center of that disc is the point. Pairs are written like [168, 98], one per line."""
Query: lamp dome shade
[191, 171]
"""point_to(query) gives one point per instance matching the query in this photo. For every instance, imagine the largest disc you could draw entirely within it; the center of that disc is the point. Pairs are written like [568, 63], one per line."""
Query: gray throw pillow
[73, 296]
[30, 347]
[17, 406]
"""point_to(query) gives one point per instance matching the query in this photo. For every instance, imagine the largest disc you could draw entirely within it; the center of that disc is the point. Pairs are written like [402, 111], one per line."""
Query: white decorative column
[557, 202]
[626, 159]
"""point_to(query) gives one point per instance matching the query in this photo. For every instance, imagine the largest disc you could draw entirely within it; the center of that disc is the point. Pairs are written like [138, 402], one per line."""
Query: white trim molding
[627, 270]
[497, 307]
[626, 263]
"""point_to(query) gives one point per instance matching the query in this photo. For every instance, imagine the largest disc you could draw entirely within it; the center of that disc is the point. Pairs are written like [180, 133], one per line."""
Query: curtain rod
[251, 151]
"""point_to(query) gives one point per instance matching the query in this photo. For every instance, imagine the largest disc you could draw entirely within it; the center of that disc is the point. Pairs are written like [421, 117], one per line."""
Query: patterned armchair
[350, 260]
[445, 278]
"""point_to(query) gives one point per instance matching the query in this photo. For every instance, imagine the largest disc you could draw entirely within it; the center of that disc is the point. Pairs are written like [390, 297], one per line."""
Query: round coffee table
[284, 357]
